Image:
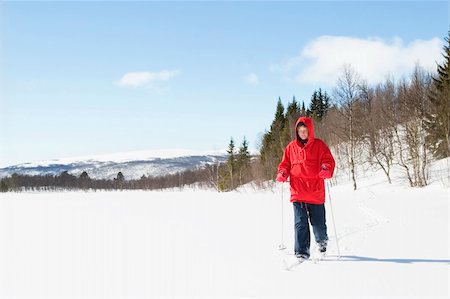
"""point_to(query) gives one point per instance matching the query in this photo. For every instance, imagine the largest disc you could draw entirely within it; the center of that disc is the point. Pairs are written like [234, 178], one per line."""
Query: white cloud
[251, 78]
[322, 59]
[139, 79]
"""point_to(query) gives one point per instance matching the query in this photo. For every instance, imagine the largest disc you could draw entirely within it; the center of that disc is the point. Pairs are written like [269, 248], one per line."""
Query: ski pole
[332, 217]
[281, 246]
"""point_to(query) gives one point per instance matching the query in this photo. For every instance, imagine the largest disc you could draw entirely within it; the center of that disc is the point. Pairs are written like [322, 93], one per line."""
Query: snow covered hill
[394, 242]
[132, 164]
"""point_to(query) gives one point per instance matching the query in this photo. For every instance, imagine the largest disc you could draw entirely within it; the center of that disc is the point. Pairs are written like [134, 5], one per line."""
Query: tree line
[203, 177]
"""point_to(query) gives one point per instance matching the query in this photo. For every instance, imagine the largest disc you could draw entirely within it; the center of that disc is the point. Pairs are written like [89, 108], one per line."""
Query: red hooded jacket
[303, 164]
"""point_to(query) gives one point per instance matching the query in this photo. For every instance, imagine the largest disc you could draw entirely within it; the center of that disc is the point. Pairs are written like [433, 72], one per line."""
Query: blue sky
[82, 78]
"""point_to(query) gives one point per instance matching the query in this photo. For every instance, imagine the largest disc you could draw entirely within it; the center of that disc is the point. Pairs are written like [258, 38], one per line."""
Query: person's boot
[302, 257]
[322, 246]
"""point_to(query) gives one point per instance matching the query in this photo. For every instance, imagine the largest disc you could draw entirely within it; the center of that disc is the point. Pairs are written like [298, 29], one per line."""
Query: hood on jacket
[309, 124]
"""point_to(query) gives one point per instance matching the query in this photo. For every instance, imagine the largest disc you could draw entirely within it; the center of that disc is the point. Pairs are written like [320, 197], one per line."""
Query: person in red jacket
[307, 161]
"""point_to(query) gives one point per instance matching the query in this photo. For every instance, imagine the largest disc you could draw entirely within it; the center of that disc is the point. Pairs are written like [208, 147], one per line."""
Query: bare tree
[346, 95]
[380, 118]
[410, 136]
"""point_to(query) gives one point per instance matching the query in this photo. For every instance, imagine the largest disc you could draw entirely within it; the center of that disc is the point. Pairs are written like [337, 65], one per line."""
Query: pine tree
[231, 161]
[84, 179]
[319, 106]
[119, 180]
[278, 123]
[243, 160]
[292, 113]
[303, 110]
[315, 106]
[120, 177]
[84, 176]
[272, 144]
[324, 102]
[437, 122]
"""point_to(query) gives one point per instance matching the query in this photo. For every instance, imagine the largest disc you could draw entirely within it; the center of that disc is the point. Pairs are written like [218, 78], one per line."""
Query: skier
[307, 161]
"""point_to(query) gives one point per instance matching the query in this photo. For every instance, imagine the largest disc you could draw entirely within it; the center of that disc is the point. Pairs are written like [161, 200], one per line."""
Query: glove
[324, 173]
[281, 177]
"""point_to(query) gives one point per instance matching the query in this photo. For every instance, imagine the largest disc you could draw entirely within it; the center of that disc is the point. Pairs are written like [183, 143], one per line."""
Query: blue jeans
[315, 213]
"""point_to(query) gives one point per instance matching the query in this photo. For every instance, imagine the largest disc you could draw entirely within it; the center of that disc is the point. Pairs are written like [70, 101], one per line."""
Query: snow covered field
[394, 242]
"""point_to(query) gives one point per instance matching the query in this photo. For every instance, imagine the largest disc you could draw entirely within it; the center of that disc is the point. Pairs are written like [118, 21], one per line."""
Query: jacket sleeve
[327, 160]
[285, 164]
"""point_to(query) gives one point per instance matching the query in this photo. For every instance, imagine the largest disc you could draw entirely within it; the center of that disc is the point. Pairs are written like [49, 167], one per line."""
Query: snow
[126, 156]
[132, 164]
[394, 242]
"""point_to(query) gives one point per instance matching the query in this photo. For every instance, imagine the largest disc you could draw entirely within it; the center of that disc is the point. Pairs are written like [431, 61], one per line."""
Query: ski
[290, 266]
[318, 257]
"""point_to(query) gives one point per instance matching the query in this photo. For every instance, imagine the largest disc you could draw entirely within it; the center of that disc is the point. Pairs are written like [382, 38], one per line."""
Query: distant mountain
[132, 164]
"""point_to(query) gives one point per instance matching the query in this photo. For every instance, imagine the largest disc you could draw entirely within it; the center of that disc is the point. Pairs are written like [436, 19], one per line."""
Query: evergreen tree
[319, 106]
[231, 161]
[84, 176]
[325, 101]
[278, 123]
[315, 106]
[292, 113]
[272, 144]
[265, 147]
[243, 161]
[303, 110]
[437, 122]
[119, 180]
[120, 177]
[84, 180]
